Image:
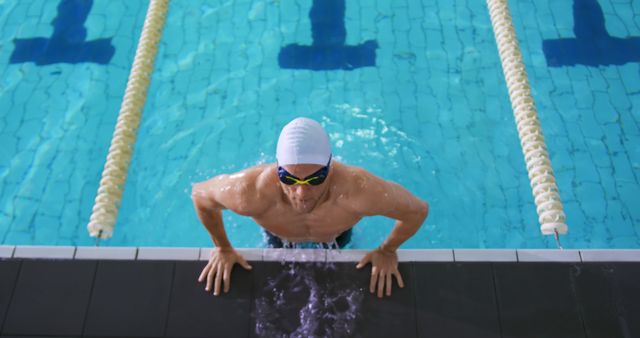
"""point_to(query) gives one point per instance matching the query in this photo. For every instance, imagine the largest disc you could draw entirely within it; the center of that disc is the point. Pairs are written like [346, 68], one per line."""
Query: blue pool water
[429, 111]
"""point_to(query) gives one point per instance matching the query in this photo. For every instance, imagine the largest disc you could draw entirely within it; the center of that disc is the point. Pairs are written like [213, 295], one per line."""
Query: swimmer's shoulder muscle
[372, 195]
[240, 192]
[354, 187]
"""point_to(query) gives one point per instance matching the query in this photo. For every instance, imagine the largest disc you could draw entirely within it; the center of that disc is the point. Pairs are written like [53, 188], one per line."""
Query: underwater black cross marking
[328, 50]
[67, 43]
[592, 46]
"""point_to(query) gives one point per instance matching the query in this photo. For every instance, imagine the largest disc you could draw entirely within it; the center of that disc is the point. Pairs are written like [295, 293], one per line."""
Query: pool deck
[107, 292]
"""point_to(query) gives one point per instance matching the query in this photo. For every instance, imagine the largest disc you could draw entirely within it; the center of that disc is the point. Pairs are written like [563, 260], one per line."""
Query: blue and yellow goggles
[316, 178]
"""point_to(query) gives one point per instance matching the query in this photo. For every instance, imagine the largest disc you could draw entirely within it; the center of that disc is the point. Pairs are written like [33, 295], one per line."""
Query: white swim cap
[303, 141]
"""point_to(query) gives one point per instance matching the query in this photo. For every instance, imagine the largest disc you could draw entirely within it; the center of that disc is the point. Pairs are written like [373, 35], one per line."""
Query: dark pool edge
[320, 255]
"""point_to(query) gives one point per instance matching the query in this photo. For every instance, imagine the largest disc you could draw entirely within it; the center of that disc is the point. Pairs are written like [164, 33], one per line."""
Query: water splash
[304, 301]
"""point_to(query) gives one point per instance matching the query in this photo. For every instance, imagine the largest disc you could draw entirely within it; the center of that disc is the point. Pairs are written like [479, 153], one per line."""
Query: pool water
[426, 107]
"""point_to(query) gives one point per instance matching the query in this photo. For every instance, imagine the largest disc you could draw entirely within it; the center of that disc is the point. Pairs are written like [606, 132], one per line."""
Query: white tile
[610, 255]
[205, 253]
[295, 255]
[404, 255]
[345, 255]
[47, 252]
[485, 255]
[251, 254]
[248, 254]
[548, 255]
[93, 252]
[434, 255]
[6, 251]
[168, 253]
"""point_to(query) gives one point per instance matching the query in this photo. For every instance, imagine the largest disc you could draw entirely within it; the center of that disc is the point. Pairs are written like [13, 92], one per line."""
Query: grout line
[496, 298]
[252, 298]
[13, 291]
[414, 280]
[93, 284]
[173, 279]
[577, 299]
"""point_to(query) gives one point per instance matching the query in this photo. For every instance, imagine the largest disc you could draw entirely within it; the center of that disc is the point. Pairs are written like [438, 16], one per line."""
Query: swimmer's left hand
[384, 264]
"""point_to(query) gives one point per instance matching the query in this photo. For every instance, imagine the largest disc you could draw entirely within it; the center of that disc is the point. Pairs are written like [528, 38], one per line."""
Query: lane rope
[114, 175]
[543, 183]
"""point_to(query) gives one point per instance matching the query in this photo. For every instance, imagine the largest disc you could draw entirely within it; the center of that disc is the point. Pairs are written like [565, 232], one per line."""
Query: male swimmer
[307, 196]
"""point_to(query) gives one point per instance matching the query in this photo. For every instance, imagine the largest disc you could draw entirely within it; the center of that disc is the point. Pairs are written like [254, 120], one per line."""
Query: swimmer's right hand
[219, 268]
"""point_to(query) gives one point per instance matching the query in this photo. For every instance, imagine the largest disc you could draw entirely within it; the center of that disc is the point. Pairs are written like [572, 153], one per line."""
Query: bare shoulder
[358, 187]
[372, 195]
[245, 192]
[358, 181]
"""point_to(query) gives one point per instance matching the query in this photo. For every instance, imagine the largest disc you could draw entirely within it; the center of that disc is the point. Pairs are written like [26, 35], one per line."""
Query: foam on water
[333, 245]
[299, 302]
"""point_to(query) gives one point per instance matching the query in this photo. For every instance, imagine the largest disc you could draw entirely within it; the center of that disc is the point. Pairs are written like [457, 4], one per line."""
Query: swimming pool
[432, 114]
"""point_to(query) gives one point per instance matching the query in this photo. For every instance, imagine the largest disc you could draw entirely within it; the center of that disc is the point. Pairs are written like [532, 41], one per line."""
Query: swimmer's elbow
[197, 199]
[197, 192]
[423, 210]
[200, 198]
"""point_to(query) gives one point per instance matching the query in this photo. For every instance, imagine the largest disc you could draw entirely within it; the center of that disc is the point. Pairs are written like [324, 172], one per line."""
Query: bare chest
[323, 224]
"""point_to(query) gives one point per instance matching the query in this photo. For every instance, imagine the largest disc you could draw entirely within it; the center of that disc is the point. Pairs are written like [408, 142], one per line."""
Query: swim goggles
[316, 178]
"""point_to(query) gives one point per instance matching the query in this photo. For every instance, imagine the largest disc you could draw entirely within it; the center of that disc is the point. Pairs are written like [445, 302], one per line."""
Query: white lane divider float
[543, 183]
[114, 175]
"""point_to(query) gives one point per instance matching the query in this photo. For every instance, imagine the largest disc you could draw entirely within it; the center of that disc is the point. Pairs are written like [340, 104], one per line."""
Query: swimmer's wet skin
[306, 197]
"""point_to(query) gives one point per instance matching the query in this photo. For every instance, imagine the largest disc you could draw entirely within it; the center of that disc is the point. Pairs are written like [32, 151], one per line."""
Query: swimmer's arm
[379, 197]
[409, 213]
[209, 210]
[209, 199]
[389, 199]
[238, 192]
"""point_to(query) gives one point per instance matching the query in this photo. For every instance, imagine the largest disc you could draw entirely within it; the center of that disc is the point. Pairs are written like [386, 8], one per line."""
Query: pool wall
[464, 298]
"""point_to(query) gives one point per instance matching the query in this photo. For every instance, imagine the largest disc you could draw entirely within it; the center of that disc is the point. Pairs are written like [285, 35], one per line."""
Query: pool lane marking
[592, 45]
[68, 42]
[328, 50]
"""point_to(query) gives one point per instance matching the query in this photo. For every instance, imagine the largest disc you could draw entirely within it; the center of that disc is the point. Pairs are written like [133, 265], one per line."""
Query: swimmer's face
[304, 197]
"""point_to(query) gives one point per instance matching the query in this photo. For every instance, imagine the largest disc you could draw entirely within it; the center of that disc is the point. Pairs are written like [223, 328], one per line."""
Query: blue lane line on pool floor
[328, 50]
[592, 46]
[67, 44]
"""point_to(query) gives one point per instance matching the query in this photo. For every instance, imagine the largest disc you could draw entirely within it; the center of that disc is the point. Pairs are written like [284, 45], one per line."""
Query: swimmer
[307, 196]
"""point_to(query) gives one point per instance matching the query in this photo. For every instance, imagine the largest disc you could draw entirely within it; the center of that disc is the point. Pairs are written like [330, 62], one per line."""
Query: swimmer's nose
[301, 189]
